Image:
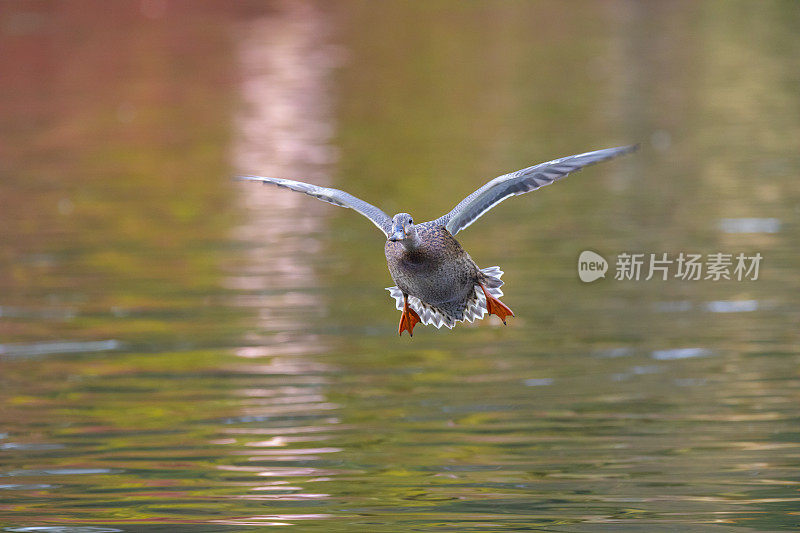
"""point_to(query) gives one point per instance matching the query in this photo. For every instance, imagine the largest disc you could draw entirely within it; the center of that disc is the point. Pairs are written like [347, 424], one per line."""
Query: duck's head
[404, 231]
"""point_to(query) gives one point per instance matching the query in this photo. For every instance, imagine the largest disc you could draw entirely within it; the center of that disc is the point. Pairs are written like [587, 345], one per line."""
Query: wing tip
[262, 179]
[629, 149]
[625, 149]
[617, 150]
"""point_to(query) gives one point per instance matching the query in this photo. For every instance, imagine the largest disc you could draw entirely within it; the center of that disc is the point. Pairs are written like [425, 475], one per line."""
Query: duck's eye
[410, 221]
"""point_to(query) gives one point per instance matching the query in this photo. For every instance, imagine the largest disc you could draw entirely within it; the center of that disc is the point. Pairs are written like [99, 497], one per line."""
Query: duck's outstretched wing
[332, 196]
[528, 179]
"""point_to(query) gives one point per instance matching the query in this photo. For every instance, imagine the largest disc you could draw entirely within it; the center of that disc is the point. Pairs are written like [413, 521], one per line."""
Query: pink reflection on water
[284, 497]
[302, 451]
[271, 519]
[288, 430]
[283, 441]
[284, 128]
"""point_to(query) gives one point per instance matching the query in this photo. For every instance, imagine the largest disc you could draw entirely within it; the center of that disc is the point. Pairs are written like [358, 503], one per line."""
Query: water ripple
[64, 529]
[750, 225]
[680, 353]
[57, 347]
[59, 472]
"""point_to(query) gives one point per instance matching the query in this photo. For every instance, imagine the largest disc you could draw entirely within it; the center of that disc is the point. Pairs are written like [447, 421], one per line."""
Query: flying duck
[437, 282]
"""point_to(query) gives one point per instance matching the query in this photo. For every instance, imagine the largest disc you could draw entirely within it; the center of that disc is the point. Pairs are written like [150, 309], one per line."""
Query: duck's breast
[437, 272]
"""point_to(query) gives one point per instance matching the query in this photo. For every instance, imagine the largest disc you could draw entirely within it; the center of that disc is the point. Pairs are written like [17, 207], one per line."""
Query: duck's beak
[397, 234]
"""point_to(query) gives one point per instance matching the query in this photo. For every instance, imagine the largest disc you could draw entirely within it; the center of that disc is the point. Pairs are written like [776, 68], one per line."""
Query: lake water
[183, 352]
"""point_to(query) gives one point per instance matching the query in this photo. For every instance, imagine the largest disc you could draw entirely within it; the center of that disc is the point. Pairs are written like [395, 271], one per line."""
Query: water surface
[179, 351]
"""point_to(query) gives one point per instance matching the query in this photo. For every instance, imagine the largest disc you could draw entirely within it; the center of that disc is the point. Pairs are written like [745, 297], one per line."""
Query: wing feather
[528, 179]
[332, 196]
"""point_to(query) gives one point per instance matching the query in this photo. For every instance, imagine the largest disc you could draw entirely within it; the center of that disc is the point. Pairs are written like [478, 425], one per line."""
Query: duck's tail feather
[493, 280]
[475, 307]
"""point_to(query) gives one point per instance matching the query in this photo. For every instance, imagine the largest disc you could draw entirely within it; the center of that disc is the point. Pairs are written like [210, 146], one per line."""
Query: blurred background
[181, 351]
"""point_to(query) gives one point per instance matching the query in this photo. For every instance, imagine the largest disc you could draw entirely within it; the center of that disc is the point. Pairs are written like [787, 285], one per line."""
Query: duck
[436, 281]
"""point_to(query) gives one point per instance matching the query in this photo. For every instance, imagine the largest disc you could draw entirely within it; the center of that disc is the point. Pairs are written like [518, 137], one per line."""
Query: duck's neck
[412, 242]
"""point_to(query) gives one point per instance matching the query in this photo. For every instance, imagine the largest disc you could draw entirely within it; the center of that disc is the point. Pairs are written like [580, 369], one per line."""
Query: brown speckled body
[438, 272]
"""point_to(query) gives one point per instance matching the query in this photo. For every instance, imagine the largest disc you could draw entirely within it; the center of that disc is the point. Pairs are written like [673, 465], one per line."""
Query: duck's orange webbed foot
[496, 307]
[408, 319]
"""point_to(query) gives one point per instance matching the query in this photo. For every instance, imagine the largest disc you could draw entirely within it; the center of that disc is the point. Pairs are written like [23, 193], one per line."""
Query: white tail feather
[474, 309]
